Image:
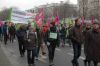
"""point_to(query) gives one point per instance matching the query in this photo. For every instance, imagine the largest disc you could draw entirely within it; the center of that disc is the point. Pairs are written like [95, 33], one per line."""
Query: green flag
[33, 24]
[9, 15]
[53, 18]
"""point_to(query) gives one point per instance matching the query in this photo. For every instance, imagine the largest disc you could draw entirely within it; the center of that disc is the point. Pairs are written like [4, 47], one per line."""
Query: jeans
[11, 38]
[38, 49]
[63, 39]
[36, 52]
[5, 38]
[77, 53]
[51, 50]
[1, 36]
[21, 46]
[31, 56]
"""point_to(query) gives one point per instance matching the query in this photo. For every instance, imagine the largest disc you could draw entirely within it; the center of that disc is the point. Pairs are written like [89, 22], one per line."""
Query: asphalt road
[63, 56]
[4, 61]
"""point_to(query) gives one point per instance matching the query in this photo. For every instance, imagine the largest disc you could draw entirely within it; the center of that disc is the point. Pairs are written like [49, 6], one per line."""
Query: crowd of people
[33, 39]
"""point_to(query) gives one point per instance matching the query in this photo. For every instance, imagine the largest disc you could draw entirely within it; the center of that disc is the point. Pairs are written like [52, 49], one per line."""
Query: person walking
[93, 44]
[5, 33]
[77, 39]
[1, 32]
[31, 43]
[40, 41]
[52, 42]
[12, 32]
[87, 28]
[20, 36]
[63, 35]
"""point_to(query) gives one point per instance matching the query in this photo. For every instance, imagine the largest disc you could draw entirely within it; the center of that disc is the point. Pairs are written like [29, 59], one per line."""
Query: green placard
[53, 35]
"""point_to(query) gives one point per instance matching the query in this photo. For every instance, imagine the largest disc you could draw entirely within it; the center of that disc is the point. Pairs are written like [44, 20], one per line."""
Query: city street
[63, 56]
[34, 22]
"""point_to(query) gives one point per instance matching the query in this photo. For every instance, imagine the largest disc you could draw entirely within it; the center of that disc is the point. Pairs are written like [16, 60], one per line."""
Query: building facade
[63, 9]
[89, 8]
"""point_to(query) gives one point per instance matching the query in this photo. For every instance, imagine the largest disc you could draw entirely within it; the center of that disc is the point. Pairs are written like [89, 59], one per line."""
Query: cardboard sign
[53, 35]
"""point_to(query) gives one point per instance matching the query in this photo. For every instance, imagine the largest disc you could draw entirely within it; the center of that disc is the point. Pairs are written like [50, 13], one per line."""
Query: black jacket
[54, 41]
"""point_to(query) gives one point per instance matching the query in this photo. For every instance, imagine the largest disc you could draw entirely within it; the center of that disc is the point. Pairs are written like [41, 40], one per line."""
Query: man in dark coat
[52, 42]
[77, 39]
[93, 44]
[12, 32]
[39, 40]
[1, 32]
[87, 28]
[63, 35]
[20, 35]
[5, 32]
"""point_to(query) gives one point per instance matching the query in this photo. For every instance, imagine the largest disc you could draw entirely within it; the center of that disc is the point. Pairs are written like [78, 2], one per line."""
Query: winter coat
[12, 30]
[20, 33]
[76, 35]
[5, 29]
[1, 30]
[85, 41]
[30, 40]
[93, 46]
[63, 32]
[53, 41]
[39, 36]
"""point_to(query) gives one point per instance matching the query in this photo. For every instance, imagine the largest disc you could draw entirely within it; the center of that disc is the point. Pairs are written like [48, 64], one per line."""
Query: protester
[63, 35]
[1, 32]
[40, 41]
[20, 35]
[93, 44]
[52, 42]
[5, 33]
[31, 43]
[69, 35]
[12, 32]
[87, 28]
[45, 29]
[77, 39]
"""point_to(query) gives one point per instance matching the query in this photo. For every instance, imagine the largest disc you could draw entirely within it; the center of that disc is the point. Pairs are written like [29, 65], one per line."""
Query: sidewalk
[3, 59]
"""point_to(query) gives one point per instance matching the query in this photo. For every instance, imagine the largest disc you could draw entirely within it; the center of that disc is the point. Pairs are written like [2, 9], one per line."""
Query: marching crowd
[32, 39]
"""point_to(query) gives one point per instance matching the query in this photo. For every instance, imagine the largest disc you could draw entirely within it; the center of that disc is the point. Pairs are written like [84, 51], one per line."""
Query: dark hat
[52, 23]
[76, 20]
[96, 22]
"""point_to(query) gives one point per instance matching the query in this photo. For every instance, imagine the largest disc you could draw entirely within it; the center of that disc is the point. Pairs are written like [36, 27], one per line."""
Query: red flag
[57, 20]
[92, 19]
[82, 20]
[39, 22]
[45, 28]
[48, 22]
[39, 17]
[36, 18]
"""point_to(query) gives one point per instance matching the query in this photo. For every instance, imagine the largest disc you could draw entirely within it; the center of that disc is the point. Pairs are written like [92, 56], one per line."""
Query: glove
[48, 43]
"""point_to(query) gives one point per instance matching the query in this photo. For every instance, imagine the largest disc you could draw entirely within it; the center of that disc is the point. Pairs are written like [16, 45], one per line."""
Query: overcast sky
[27, 4]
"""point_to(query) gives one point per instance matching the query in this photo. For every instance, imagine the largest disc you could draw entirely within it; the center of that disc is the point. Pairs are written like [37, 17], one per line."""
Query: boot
[85, 62]
[89, 63]
[75, 63]
[51, 63]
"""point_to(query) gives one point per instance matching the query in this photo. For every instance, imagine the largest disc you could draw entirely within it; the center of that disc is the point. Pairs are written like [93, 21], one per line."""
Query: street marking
[72, 49]
[82, 58]
[58, 49]
[66, 44]
[40, 59]
[44, 57]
